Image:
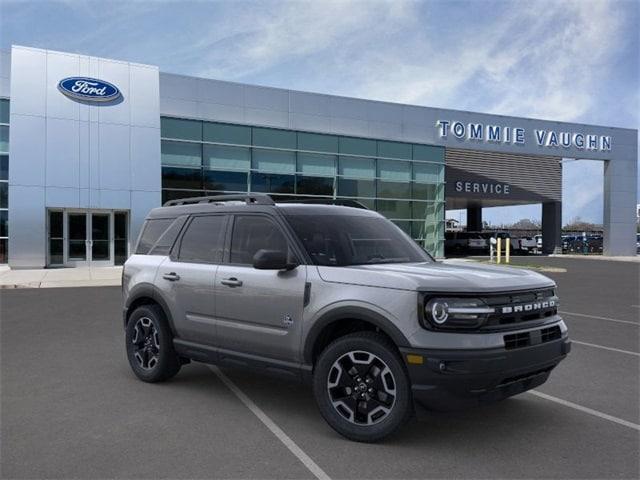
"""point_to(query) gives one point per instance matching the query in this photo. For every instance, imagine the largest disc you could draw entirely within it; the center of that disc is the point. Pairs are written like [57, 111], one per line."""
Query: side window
[203, 241]
[252, 233]
[152, 230]
[167, 239]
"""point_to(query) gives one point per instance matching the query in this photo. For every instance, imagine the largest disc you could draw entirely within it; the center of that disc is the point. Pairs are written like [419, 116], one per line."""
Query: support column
[474, 219]
[552, 227]
[620, 198]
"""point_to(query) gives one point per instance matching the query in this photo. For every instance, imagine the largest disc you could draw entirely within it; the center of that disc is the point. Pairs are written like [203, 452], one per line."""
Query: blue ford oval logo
[89, 89]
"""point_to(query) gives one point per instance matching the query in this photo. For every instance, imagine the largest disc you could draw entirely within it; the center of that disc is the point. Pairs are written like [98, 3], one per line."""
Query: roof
[258, 203]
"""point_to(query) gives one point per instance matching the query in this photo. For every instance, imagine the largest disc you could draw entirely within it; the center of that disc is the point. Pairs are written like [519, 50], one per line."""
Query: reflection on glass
[56, 241]
[240, 158]
[314, 185]
[77, 236]
[4, 167]
[100, 237]
[4, 223]
[181, 153]
[224, 157]
[4, 194]
[120, 237]
[394, 189]
[270, 183]
[173, 177]
[4, 257]
[348, 187]
[225, 181]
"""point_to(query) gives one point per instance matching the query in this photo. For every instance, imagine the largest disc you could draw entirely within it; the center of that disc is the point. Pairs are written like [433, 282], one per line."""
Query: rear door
[259, 312]
[186, 278]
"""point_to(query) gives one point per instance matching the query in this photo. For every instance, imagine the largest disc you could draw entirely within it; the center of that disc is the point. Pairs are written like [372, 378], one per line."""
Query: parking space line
[628, 352]
[601, 318]
[590, 411]
[271, 425]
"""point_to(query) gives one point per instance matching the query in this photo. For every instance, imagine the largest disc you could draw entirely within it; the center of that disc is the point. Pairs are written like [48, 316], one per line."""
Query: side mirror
[272, 260]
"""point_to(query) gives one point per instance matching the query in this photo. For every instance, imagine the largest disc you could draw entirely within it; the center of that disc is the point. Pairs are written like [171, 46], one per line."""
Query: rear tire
[149, 344]
[362, 388]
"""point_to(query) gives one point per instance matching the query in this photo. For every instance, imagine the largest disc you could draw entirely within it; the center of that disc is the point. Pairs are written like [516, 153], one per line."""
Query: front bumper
[451, 379]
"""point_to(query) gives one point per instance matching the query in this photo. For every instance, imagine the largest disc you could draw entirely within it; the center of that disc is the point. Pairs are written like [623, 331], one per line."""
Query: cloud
[575, 60]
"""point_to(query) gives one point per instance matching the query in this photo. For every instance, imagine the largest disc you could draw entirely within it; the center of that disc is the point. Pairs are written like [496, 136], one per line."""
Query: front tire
[362, 388]
[150, 345]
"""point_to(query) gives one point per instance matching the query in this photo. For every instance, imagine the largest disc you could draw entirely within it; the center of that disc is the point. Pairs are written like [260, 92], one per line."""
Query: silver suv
[339, 296]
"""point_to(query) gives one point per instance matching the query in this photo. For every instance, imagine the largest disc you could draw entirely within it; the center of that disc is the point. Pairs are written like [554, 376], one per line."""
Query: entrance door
[82, 238]
[101, 248]
[77, 239]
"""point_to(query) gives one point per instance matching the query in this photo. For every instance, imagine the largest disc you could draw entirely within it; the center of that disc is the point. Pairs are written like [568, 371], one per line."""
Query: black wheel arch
[146, 294]
[360, 315]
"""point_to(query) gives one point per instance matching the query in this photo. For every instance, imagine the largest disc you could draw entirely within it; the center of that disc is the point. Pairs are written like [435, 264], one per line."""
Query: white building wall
[71, 154]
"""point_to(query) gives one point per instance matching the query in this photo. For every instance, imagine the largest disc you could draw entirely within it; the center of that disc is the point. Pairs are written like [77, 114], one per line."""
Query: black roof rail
[343, 202]
[251, 198]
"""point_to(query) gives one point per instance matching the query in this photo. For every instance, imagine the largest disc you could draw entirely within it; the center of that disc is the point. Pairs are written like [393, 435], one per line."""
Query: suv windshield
[343, 240]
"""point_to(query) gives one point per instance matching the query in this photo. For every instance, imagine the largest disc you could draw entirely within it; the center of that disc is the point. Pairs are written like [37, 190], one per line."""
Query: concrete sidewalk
[633, 259]
[61, 277]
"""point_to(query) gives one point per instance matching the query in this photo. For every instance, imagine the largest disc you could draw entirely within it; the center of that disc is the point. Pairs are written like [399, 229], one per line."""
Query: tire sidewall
[379, 346]
[168, 364]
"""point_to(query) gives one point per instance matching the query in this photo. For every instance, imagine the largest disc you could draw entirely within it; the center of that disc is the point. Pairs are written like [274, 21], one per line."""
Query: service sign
[88, 89]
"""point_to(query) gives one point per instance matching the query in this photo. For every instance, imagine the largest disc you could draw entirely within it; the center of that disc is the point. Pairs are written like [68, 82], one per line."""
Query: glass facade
[403, 181]
[4, 180]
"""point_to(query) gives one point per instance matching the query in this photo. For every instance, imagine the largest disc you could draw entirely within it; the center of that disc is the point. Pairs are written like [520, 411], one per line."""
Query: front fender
[356, 312]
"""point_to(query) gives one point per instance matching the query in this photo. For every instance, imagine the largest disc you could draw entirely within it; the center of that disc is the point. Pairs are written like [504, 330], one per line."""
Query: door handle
[231, 282]
[172, 276]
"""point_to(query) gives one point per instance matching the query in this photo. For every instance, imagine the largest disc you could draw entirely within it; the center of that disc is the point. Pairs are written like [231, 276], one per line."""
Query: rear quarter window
[153, 230]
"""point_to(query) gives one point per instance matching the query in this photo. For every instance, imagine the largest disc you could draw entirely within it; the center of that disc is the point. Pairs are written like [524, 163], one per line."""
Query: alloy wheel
[361, 388]
[146, 343]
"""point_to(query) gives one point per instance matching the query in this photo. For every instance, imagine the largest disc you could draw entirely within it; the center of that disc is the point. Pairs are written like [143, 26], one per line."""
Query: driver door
[259, 312]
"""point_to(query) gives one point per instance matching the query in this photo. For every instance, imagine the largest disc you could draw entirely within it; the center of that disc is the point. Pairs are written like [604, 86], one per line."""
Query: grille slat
[525, 339]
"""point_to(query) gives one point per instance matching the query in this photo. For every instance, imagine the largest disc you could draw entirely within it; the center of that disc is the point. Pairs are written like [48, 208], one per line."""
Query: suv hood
[449, 276]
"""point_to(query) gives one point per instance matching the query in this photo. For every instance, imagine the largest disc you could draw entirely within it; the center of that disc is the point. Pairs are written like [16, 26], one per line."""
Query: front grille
[524, 377]
[513, 302]
[535, 337]
[517, 340]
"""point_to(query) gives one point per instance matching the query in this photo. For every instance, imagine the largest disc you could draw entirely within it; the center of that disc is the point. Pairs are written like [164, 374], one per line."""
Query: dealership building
[89, 145]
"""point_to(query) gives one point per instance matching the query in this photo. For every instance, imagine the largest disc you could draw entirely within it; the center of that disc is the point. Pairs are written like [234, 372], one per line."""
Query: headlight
[456, 312]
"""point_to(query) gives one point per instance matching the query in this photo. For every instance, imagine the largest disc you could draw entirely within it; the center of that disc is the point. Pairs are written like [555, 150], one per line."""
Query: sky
[566, 60]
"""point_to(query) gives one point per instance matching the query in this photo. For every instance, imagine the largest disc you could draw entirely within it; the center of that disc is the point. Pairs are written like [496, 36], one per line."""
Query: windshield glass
[343, 240]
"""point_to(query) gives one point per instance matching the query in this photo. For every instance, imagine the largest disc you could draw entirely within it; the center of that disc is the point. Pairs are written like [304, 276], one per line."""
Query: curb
[61, 284]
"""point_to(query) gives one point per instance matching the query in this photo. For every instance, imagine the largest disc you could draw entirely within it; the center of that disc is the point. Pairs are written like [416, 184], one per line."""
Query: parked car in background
[582, 244]
[461, 243]
[538, 247]
[528, 245]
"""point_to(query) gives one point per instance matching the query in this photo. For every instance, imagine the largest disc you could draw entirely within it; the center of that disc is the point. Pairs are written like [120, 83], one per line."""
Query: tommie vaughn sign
[516, 135]
[88, 89]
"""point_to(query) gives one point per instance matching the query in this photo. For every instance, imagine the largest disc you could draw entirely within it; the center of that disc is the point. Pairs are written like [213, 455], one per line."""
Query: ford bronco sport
[337, 295]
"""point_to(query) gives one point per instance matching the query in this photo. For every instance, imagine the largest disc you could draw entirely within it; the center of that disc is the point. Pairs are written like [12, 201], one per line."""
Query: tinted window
[189, 178]
[4, 167]
[271, 183]
[314, 185]
[341, 240]
[151, 233]
[225, 181]
[253, 233]
[204, 240]
[168, 238]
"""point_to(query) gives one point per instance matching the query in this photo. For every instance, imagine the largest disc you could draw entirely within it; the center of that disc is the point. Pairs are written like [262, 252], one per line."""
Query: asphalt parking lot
[71, 408]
